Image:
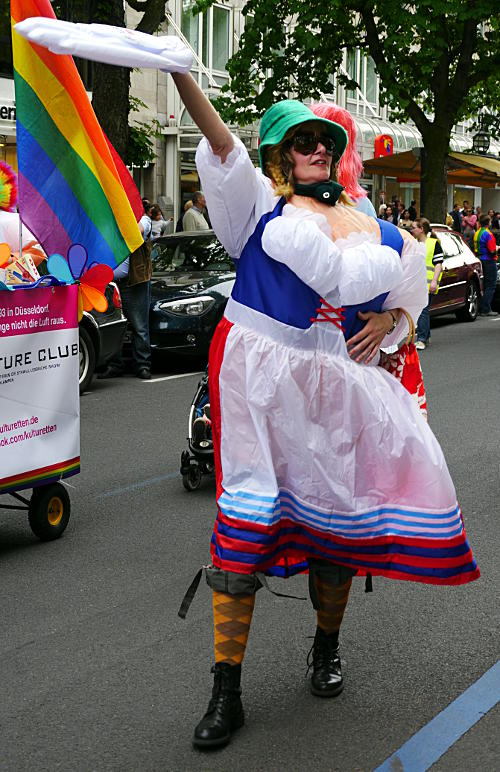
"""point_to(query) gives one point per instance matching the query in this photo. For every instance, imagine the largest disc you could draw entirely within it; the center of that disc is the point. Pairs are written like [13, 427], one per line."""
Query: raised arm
[204, 115]
[237, 194]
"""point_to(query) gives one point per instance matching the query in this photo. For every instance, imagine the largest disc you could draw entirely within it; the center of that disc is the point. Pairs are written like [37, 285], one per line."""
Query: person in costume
[319, 459]
[365, 344]
[350, 165]
[370, 342]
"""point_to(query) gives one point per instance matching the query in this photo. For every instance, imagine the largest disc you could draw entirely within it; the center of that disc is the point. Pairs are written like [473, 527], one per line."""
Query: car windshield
[451, 244]
[190, 253]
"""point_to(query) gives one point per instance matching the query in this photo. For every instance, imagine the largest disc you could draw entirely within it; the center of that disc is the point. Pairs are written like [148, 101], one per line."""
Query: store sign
[384, 145]
[7, 112]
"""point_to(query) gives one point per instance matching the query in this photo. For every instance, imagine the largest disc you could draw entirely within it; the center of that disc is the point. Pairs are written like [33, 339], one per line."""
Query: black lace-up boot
[326, 680]
[225, 712]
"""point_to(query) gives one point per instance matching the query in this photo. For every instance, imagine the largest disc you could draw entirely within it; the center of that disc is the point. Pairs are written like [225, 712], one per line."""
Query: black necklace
[326, 192]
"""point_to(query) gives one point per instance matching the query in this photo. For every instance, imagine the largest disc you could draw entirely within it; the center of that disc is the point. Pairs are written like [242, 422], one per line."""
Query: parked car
[100, 336]
[495, 303]
[461, 283]
[193, 276]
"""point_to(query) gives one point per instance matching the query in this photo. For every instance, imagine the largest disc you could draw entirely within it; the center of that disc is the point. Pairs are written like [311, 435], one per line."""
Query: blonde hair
[278, 166]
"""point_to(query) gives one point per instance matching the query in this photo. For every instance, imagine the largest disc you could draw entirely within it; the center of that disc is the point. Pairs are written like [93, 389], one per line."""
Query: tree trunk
[110, 102]
[433, 186]
[111, 85]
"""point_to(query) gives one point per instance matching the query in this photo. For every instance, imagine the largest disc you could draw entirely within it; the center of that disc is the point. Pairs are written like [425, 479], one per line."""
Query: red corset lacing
[326, 314]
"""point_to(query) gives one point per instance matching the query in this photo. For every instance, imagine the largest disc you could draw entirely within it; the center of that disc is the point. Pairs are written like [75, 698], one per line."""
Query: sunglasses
[306, 142]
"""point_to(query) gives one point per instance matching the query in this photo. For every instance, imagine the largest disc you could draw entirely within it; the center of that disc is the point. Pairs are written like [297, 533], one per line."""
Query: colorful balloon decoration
[92, 278]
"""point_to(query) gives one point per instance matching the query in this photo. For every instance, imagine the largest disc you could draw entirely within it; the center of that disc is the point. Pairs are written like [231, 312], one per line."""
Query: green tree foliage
[141, 136]
[438, 62]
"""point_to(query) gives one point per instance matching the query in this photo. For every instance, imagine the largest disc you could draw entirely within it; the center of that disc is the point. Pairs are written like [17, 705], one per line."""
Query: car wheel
[87, 359]
[471, 309]
[49, 511]
[192, 479]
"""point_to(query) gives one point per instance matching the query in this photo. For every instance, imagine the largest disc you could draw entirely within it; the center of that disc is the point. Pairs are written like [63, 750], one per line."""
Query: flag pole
[20, 236]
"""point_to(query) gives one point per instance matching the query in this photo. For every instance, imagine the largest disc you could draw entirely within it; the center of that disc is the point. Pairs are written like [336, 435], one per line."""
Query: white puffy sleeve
[358, 273]
[411, 292]
[237, 194]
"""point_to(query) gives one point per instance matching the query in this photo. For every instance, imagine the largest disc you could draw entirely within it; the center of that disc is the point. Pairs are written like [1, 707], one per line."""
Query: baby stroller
[199, 459]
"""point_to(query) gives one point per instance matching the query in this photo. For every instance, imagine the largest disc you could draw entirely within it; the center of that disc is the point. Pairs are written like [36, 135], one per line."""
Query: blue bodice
[273, 289]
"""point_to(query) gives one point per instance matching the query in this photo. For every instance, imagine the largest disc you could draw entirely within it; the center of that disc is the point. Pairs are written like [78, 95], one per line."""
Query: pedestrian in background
[193, 219]
[133, 277]
[469, 220]
[187, 205]
[434, 261]
[495, 227]
[485, 248]
[457, 220]
[413, 210]
[389, 214]
[159, 225]
[406, 222]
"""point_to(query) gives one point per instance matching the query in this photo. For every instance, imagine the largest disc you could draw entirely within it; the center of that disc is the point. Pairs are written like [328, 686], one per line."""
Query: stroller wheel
[192, 479]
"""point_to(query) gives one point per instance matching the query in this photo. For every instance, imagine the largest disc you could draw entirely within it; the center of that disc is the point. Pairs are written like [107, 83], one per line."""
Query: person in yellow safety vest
[434, 261]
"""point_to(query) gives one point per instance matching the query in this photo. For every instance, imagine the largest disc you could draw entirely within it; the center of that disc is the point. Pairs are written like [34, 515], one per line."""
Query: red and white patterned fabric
[404, 365]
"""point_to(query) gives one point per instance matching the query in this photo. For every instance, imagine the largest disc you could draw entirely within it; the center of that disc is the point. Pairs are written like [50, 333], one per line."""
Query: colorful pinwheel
[92, 279]
[8, 187]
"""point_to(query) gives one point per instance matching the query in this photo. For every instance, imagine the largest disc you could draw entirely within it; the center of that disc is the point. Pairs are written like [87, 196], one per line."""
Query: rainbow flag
[69, 187]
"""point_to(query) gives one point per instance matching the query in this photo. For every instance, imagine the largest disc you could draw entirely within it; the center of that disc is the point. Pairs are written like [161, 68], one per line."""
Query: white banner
[39, 392]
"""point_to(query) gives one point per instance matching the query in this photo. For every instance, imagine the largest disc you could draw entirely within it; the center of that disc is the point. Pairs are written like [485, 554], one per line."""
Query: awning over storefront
[462, 168]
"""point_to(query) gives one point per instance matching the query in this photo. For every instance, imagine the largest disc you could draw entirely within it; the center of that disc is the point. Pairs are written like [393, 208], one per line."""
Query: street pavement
[99, 672]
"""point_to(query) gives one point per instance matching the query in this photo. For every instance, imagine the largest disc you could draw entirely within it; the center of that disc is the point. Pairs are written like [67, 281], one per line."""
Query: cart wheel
[49, 511]
[192, 479]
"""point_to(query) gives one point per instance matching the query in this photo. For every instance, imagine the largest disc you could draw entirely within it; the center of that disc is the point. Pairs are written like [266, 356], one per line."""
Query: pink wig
[350, 166]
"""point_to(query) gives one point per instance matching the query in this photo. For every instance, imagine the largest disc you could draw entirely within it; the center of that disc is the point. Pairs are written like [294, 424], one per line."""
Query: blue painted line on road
[435, 738]
[138, 485]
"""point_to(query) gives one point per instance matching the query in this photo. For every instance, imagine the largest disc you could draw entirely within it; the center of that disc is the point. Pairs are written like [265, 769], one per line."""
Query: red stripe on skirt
[215, 360]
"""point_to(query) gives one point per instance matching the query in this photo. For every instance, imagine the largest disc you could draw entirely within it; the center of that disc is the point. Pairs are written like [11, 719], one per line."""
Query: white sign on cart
[39, 395]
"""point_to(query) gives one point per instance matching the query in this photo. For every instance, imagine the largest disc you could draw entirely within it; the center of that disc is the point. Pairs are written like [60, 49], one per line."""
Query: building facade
[213, 37]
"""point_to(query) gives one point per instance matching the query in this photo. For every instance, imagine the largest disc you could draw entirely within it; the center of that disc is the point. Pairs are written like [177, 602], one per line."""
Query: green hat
[283, 115]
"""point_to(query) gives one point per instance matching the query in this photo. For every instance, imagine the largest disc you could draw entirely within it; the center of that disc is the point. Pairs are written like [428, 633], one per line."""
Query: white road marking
[172, 377]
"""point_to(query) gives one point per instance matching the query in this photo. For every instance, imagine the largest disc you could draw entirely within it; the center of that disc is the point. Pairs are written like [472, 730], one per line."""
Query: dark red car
[461, 283]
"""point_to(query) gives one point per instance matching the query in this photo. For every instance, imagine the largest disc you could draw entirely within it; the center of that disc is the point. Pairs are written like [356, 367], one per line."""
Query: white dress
[316, 455]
